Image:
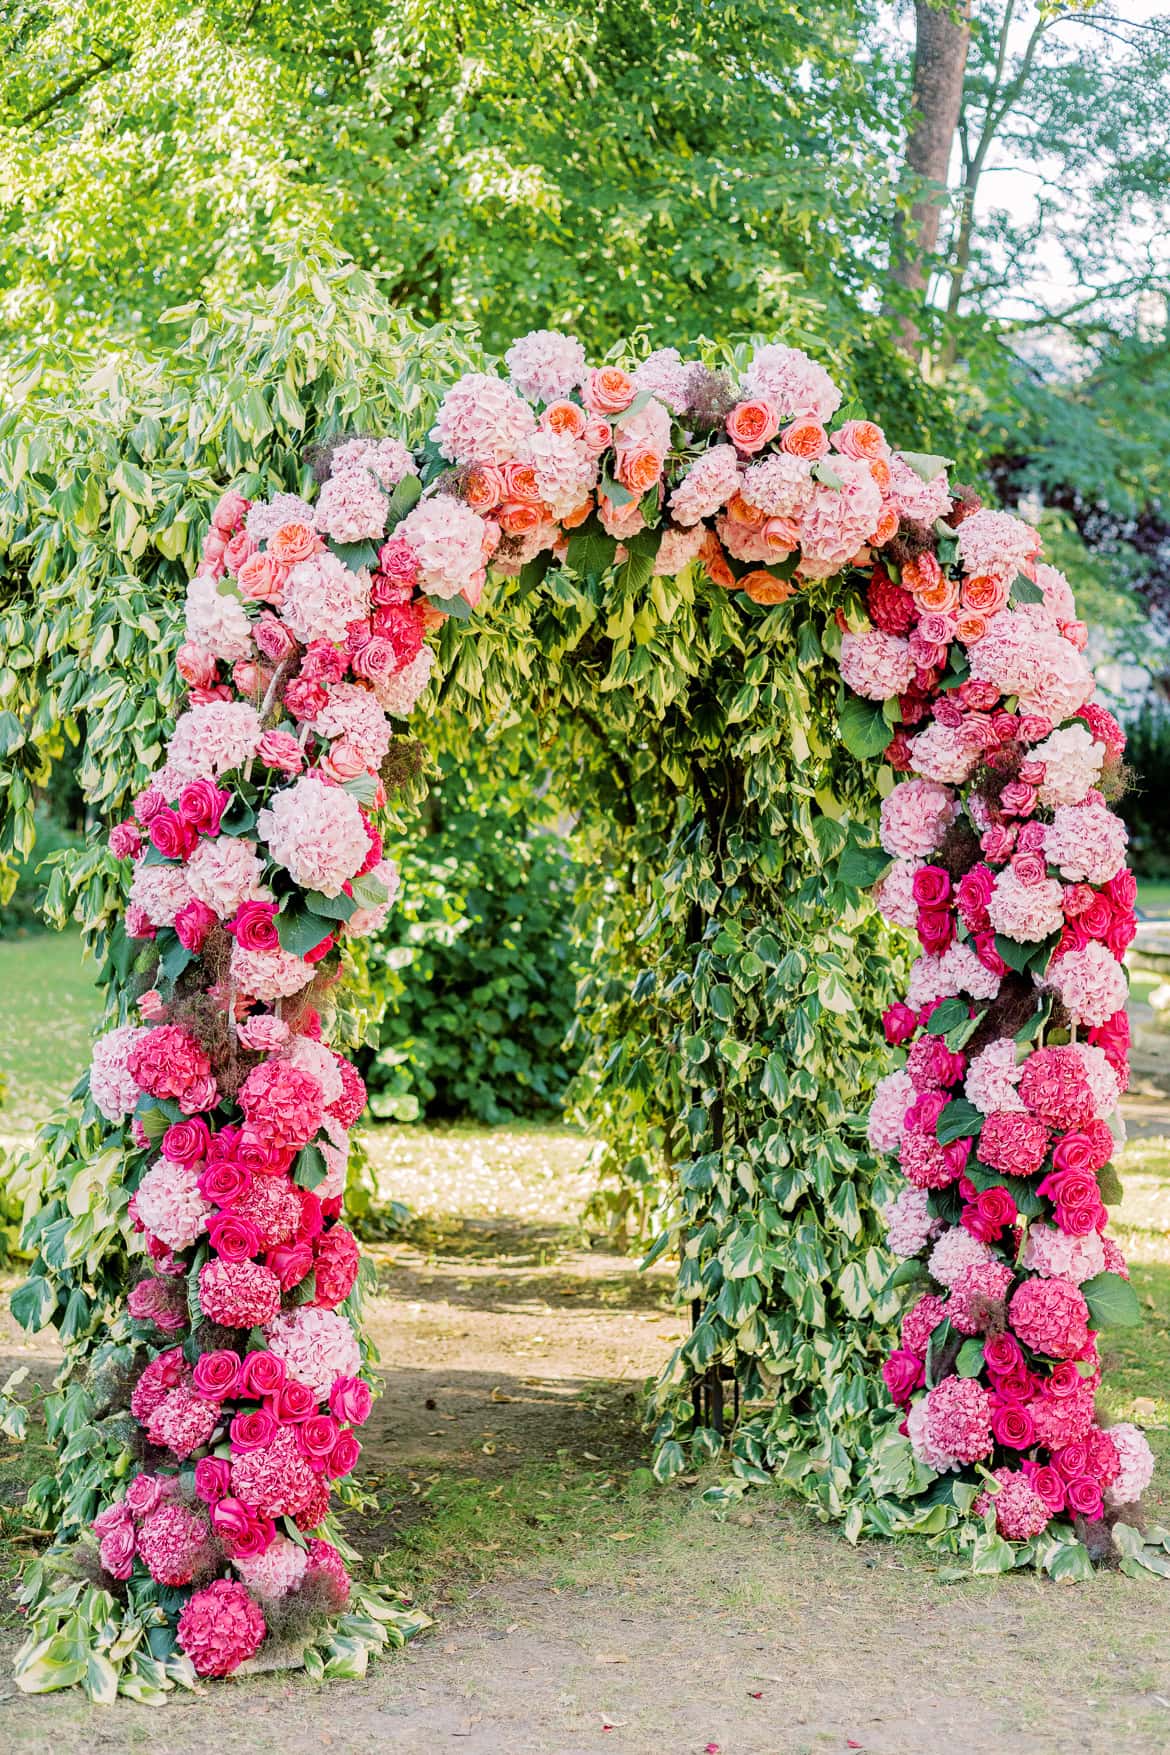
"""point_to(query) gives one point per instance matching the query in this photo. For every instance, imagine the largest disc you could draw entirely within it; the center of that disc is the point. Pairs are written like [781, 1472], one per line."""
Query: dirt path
[508, 1344]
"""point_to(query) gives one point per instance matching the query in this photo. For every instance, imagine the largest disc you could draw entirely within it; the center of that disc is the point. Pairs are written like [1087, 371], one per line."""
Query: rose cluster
[1009, 865]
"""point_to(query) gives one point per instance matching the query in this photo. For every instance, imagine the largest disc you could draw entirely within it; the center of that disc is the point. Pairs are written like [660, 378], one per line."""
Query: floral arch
[791, 664]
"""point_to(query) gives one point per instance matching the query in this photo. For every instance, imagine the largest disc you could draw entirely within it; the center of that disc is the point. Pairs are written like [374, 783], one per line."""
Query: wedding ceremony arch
[817, 696]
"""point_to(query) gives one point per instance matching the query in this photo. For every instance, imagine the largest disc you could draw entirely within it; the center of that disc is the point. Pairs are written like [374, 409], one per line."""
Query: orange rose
[880, 470]
[431, 617]
[609, 390]
[918, 574]
[518, 517]
[564, 417]
[751, 424]
[520, 483]
[985, 594]
[763, 587]
[715, 562]
[639, 471]
[886, 528]
[944, 596]
[294, 542]
[861, 439]
[743, 513]
[578, 515]
[971, 628]
[483, 487]
[805, 438]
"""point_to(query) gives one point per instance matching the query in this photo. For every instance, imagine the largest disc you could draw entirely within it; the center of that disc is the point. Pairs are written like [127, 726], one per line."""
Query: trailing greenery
[481, 931]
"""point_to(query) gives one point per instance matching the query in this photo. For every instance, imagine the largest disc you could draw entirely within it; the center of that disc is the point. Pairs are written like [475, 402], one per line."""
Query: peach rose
[743, 513]
[432, 618]
[985, 594]
[519, 517]
[880, 470]
[805, 438]
[520, 483]
[578, 515]
[608, 390]
[886, 528]
[597, 436]
[715, 562]
[862, 439]
[781, 536]
[639, 470]
[941, 596]
[751, 424]
[970, 628]
[483, 487]
[763, 587]
[294, 542]
[565, 417]
[261, 579]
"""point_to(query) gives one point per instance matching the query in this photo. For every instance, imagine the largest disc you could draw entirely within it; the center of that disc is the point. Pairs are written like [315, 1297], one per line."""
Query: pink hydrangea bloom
[996, 545]
[239, 1294]
[710, 482]
[217, 622]
[326, 1563]
[1020, 1513]
[316, 832]
[954, 1254]
[322, 596]
[481, 420]
[212, 739]
[387, 460]
[920, 1322]
[976, 1301]
[677, 549]
[941, 753]
[1051, 1317]
[1015, 1144]
[182, 1421]
[1137, 1464]
[1073, 760]
[267, 516]
[564, 469]
[1053, 1085]
[1025, 912]
[780, 486]
[665, 374]
[316, 1346]
[269, 975]
[546, 365]
[160, 891]
[351, 506]
[283, 1105]
[1086, 841]
[992, 1078]
[1024, 653]
[225, 872]
[1090, 983]
[915, 816]
[922, 501]
[951, 1424]
[892, 1097]
[878, 666]
[173, 1543]
[894, 893]
[220, 1627]
[352, 714]
[169, 1204]
[276, 1572]
[909, 1226]
[839, 521]
[1100, 1078]
[1053, 1254]
[400, 693]
[958, 971]
[795, 385]
[113, 1087]
[448, 541]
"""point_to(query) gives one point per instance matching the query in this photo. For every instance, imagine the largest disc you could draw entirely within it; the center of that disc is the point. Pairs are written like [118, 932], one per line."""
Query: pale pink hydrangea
[213, 739]
[399, 694]
[957, 972]
[711, 480]
[266, 516]
[877, 666]
[364, 921]
[909, 1226]
[1137, 1464]
[1086, 842]
[225, 872]
[322, 596]
[565, 470]
[977, 1296]
[217, 621]
[263, 1033]
[269, 975]
[996, 545]
[915, 816]
[160, 891]
[1090, 983]
[315, 1345]
[169, 1203]
[837, 522]
[447, 538]
[387, 460]
[316, 832]
[1101, 1079]
[918, 1432]
[276, 1572]
[1023, 653]
[314, 1058]
[1058, 593]
[114, 1089]
[894, 893]
[795, 385]
[665, 374]
[892, 1096]
[352, 714]
[992, 1077]
[678, 549]
[1025, 912]
[545, 365]
[643, 429]
[351, 506]
[781, 485]
[336, 1156]
[955, 1252]
[482, 420]
[940, 753]
[921, 501]
[1073, 760]
[1052, 1253]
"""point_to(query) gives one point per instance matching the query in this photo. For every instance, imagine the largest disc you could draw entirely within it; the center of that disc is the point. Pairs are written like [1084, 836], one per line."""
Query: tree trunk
[942, 35]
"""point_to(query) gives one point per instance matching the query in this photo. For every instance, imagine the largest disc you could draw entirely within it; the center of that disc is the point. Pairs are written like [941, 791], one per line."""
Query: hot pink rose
[931, 886]
[224, 1182]
[233, 1239]
[217, 1374]
[262, 1374]
[254, 926]
[1084, 1496]
[174, 838]
[899, 1023]
[343, 1458]
[185, 1142]
[116, 1551]
[193, 922]
[213, 1478]
[253, 1430]
[242, 1532]
[350, 1400]
[290, 1262]
[903, 1371]
[294, 1402]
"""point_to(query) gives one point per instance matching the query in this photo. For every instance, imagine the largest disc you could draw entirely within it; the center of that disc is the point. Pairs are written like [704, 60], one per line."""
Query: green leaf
[339, 907]
[1112, 1301]
[947, 1016]
[1070, 1562]
[863, 727]
[859, 868]
[970, 1360]
[12, 734]
[174, 955]
[355, 555]
[925, 464]
[456, 607]
[959, 1120]
[33, 1303]
[238, 819]
[1109, 1185]
[405, 495]
[1017, 956]
[1036, 1023]
[368, 891]
[908, 1274]
[591, 550]
[1024, 590]
[310, 1168]
[991, 1554]
[299, 931]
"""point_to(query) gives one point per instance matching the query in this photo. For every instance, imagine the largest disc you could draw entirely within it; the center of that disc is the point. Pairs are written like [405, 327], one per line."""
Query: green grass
[49, 1003]
[1154, 898]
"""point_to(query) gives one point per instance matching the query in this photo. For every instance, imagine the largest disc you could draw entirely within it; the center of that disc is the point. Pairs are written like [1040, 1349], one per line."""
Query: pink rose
[1083, 1152]
[193, 922]
[262, 1374]
[1084, 1496]
[899, 1022]
[238, 551]
[231, 508]
[350, 1399]
[174, 838]
[185, 1142]
[751, 424]
[1002, 1354]
[116, 1551]
[195, 666]
[344, 1456]
[233, 1239]
[202, 804]
[280, 750]
[294, 1402]
[376, 658]
[290, 1262]
[304, 698]
[144, 1495]
[273, 638]
[316, 1438]
[242, 1532]
[253, 1430]
[903, 1371]
[931, 886]
[216, 1374]
[608, 390]
[1029, 868]
[125, 840]
[213, 1478]
[936, 929]
[1018, 799]
[224, 1182]
[254, 926]
[1013, 1425]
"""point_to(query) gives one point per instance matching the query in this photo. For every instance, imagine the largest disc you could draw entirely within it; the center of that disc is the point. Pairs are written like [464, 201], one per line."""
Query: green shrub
[481, 934]
[1146, 806]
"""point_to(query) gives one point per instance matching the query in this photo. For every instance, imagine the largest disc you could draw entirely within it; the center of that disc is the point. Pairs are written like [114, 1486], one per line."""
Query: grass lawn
[1154, 898]
[49, 1003]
